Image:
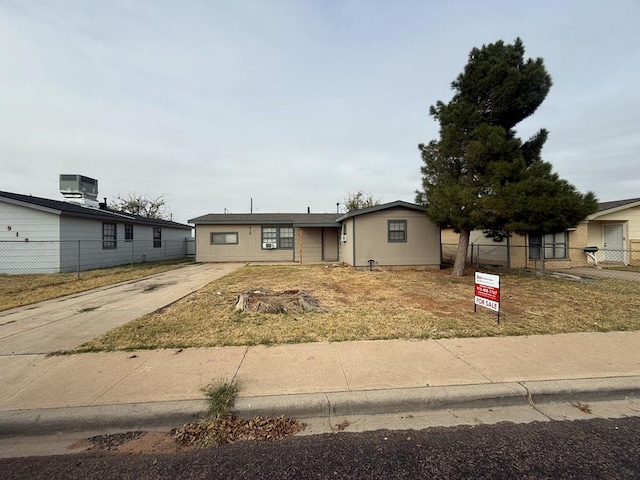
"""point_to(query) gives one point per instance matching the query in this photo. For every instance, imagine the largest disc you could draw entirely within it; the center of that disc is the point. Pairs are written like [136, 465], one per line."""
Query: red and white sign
[487, 291]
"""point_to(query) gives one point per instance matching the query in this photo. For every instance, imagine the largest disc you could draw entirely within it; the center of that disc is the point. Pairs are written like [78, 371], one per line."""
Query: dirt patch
[206, 433]
[263, 300]
[134, 443]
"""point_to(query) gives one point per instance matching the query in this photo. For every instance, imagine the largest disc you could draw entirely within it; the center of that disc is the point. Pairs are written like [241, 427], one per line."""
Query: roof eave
[619, 208]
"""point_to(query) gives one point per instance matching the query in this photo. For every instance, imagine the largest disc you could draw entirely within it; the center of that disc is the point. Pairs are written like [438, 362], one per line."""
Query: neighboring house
[396, 234]
[614, 229]
[488, 251]
[39, 235]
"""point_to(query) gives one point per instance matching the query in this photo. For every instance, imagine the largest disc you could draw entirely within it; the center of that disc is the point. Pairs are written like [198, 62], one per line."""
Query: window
[397, 231]
[281, 237]
[128, 232]
[224, 238]
[554, 245]
[157, 237]
[109, 237]
[285, 237]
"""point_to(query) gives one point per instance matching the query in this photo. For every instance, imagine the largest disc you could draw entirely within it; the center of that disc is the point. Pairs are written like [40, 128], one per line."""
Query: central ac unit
[268, 246]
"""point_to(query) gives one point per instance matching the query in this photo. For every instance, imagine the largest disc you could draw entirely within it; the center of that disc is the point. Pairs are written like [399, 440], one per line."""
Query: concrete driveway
[66, 322]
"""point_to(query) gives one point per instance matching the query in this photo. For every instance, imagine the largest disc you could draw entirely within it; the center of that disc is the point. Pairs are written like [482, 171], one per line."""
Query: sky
[218, 105]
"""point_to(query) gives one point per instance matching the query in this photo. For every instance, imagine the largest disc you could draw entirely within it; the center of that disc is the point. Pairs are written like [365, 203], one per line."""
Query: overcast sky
[294, 103]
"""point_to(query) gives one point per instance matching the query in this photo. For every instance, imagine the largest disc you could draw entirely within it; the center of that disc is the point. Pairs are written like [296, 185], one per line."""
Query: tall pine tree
[479, 174]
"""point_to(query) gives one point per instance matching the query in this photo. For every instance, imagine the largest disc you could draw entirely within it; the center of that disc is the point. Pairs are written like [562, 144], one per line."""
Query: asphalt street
[586, 449]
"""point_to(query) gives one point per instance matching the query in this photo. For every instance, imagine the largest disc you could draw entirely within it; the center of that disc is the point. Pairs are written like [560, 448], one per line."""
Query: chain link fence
[577, 262]
[79, 255]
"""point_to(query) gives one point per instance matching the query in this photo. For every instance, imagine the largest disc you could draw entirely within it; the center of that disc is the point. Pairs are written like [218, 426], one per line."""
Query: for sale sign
[487, 291]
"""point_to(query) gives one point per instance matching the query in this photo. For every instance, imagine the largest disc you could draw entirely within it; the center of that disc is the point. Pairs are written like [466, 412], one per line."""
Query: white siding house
[39, 235]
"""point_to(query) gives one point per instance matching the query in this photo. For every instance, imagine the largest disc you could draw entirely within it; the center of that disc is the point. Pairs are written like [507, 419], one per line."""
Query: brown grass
[18, 290]
[378, 305]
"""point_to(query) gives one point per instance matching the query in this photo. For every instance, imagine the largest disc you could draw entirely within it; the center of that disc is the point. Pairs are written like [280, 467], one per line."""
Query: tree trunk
[461, 254]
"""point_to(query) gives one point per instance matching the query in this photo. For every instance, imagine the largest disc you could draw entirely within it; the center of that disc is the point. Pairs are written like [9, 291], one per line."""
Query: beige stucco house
[614, 229]
[396, 234]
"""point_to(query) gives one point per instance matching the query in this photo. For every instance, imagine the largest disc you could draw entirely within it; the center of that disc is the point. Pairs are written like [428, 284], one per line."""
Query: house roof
[616, 204]
[605, 208]
[295, 219]
[384, 206]
[75, 210]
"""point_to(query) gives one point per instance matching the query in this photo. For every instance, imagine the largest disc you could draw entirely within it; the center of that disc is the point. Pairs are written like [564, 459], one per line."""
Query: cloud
[293, 104]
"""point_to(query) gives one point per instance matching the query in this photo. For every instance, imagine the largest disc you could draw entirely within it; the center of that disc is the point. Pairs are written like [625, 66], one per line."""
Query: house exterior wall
[309, 245]
[248, 249]
[330, 241]
[489, 251]
[86, 234]
[345, 249]
[629, 218]
[422, 246]
[577, 240]
[29, 240]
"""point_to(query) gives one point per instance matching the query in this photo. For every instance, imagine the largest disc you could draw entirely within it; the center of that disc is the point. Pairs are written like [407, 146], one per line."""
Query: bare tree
[359, 200]
[142, 205]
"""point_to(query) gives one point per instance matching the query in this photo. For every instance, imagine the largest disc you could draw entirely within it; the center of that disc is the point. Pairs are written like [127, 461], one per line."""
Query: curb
[129, 416]
[318, 405]
[405, 400]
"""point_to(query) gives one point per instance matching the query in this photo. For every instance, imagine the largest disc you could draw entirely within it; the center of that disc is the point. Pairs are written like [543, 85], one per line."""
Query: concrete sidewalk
[135, 389]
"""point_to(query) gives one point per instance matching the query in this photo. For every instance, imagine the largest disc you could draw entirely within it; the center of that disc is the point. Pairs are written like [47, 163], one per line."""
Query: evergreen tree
[479, 174]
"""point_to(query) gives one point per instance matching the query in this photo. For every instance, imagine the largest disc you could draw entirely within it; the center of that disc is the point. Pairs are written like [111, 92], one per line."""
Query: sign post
[487, 292]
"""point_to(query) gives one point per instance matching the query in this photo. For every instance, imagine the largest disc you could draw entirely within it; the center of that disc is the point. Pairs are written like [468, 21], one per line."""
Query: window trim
[157, 240]
[543, 246]
[109, 241]
[403, 230]
[278, 237]
[128, 232]
[211, 235]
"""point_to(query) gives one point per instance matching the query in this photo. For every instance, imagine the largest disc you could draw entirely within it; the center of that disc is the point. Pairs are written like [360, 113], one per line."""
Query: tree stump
[263, 300]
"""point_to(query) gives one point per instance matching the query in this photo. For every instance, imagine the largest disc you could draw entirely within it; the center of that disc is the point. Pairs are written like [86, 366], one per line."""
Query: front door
[613, 243]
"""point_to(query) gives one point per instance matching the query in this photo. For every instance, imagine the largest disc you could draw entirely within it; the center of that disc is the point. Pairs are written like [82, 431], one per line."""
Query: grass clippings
[19, 290]
[365, 305]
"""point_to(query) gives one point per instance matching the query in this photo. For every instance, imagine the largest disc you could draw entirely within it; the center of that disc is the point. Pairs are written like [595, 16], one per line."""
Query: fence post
[471, 255]
[78, 261]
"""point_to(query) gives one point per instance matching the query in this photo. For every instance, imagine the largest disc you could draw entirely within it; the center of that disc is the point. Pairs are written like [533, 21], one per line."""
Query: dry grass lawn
[18, 290]
[378, 305]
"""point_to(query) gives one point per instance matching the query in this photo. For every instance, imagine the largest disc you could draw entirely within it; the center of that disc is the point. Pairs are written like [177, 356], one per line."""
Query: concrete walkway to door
[66, 322]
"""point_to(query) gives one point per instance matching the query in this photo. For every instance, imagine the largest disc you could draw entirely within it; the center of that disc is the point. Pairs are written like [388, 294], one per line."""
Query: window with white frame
[551, 245]
[224, 238]
[278, 237]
